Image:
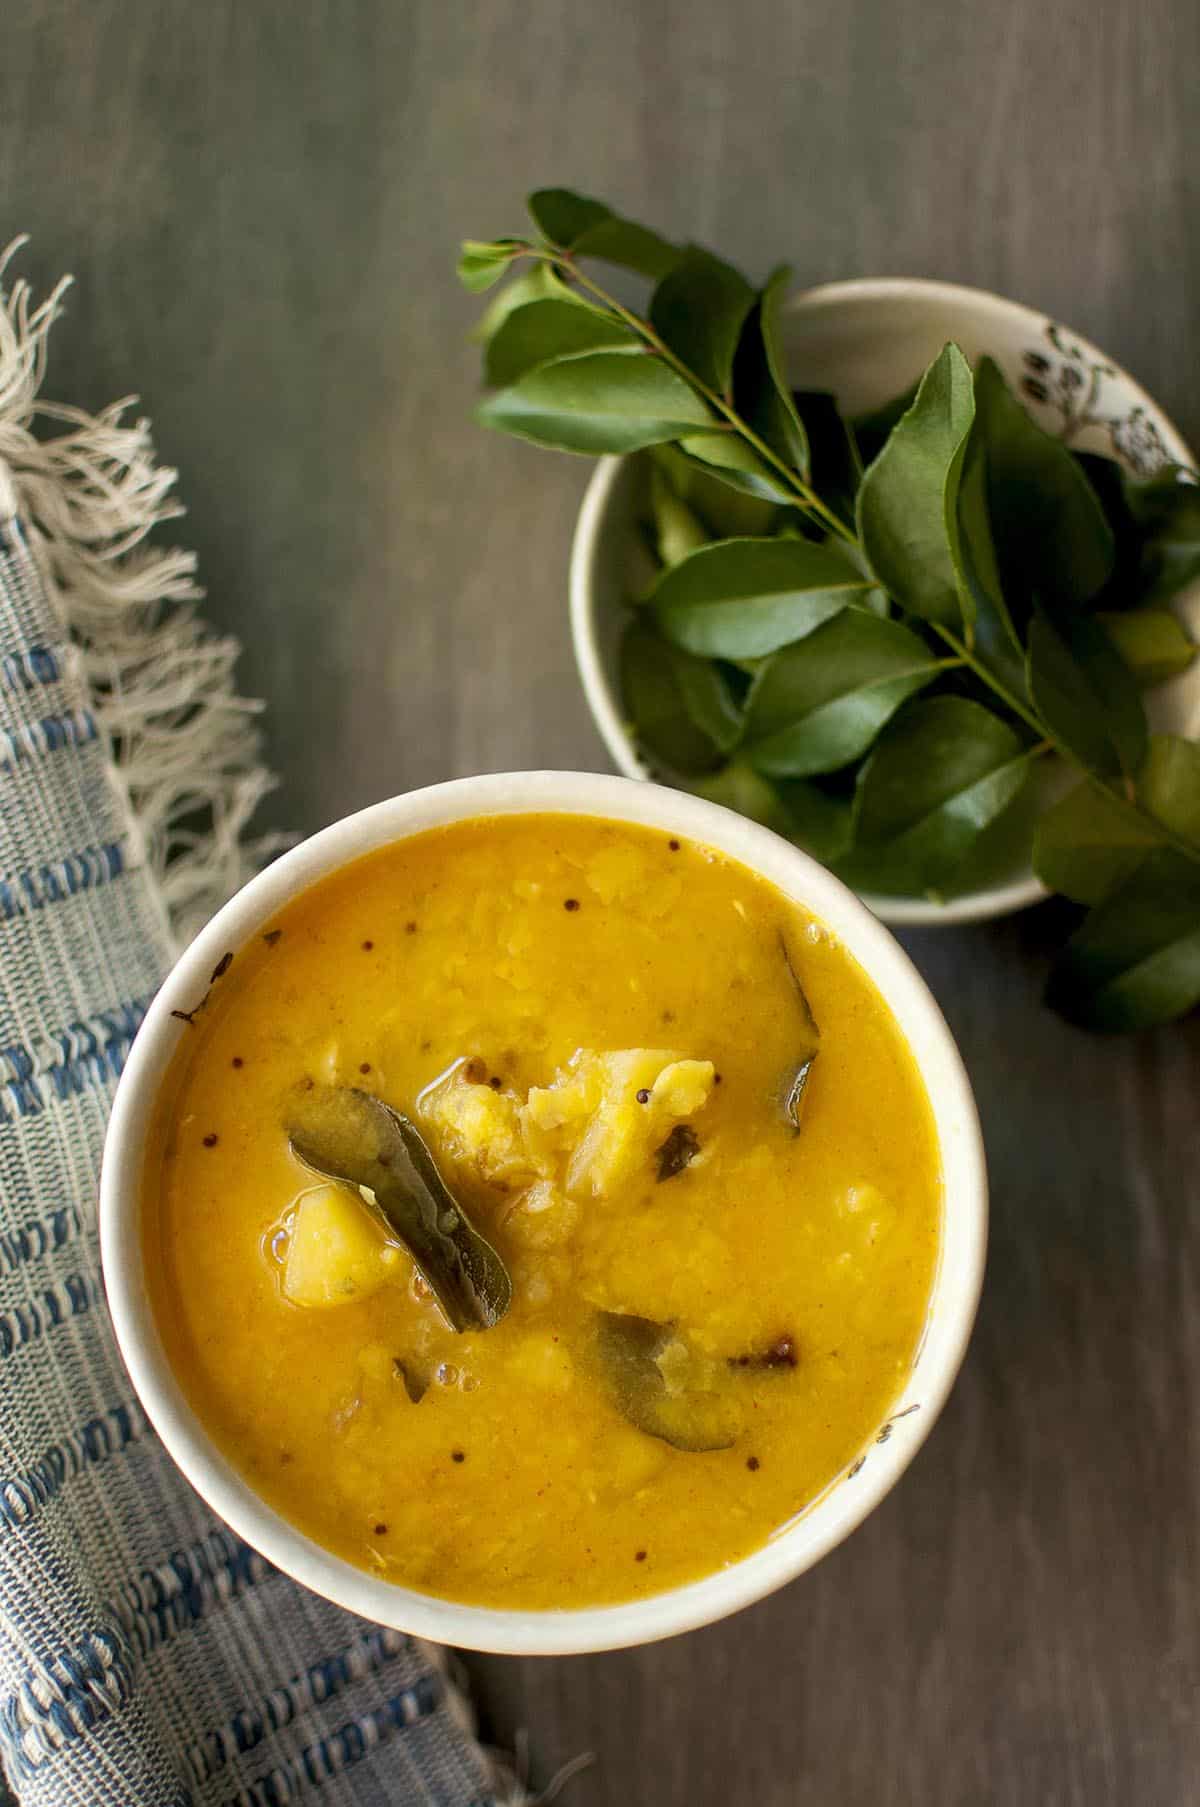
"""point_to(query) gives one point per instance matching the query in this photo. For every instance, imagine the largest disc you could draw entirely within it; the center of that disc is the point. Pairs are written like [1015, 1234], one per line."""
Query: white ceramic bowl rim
[827, 1521]
[830, 298]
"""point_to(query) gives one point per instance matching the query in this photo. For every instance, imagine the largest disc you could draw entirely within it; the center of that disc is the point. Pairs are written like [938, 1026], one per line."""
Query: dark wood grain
[261, 203]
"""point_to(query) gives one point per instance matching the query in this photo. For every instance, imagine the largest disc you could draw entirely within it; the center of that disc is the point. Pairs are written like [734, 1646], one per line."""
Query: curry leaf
[699, 309]
[540, 283]
[350, 1136]
[793, 807]
[1169, 785]
[760, 385]
[1135, 961]
[819, 703]
[728, 513]
[738, 599]
[681, 711]
[1053, 543]
[563, 216]
[598, 401]
[940, 773]
[677, 531]
[1091, 840]
[483, 262]
[808, 1044]
[1151, 642]
[677, 1152]
[552, 328]
[588, 228]
[871, 429]
[1085, 694]
[909, 495]
[736, 463]
[1165, 512]
[995, 635]
[1088, 843]
[835, 464]
[1171, 559]
[635, 1356]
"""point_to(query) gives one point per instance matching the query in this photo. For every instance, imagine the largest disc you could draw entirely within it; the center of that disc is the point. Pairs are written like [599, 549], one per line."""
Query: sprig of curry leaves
[870, 634]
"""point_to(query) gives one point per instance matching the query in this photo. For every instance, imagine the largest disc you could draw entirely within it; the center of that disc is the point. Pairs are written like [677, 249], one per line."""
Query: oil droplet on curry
[675, 1115]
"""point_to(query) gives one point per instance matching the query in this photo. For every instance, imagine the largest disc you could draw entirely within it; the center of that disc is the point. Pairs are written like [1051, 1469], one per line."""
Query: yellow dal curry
[604, 1039]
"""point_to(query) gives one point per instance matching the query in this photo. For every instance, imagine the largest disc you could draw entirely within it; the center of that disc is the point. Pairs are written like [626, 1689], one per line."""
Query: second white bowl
[866, 341]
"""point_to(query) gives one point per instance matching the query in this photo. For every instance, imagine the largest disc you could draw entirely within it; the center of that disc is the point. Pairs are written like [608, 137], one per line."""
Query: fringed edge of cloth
[186, 750]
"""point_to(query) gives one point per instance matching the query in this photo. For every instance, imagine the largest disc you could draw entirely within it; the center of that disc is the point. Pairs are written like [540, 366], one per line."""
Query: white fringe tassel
[186, 748]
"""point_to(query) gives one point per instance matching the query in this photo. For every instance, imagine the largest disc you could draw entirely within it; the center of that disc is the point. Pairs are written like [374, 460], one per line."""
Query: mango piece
[337, 1252]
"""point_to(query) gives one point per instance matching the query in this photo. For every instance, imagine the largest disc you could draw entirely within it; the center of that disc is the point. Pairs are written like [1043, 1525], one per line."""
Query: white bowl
[845, 1503]
[866, 342]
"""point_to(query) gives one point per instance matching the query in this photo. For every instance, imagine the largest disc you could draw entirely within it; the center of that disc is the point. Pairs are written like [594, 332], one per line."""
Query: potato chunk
[611, 1111]
[337, 1252]
[478, 1126]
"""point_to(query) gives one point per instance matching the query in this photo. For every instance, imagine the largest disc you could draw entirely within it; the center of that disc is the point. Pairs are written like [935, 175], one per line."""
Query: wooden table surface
[261, 202]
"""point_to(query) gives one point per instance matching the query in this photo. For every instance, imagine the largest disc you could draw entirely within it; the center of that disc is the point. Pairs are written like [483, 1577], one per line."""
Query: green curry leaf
[636, 1357]
[1169, 785]
[1054, 546]
[598, 401]
[550, 328]
[741, 598]
[1165, 510]
[677, 530]
[793, 807]
[589, 228]
[681, 711]
[835, 462]
[1086, 694]
[1091, 841]
[1135, 961]
[726, 512]
[699, 309]
[1086, 844]
[908, 498]
[540, 283]
[819, 703]
[349, 1136]
[482, 262]
[1151, 642]
[731, 460]
[760, 385]
[942, 771]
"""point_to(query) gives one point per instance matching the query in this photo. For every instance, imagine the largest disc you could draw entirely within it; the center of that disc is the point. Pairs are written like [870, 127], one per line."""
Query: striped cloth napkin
[147, 1655]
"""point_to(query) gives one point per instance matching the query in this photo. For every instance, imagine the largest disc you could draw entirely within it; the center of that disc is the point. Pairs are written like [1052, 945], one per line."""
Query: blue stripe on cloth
[321, 1681]
[34, 740]
[55, 1305]
[66, 1698]
[39, 1237]
[31, 666]
[22, 893]
[186, 1587]
[67, 1062]
[25, 1495]
[341, 1750]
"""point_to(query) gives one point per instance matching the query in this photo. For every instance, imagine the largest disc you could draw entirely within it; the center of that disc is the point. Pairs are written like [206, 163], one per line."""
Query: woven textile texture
[147, 1655]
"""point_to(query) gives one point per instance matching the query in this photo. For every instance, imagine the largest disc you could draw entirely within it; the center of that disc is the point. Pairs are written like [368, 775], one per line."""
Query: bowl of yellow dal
[544, 1212]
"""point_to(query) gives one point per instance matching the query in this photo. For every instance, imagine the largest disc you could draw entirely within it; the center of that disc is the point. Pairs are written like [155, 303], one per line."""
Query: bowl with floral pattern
[866, 342]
